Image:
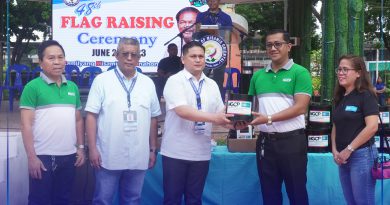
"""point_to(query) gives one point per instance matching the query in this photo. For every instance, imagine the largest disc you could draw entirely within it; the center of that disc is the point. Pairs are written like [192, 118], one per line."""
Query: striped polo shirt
[54, 126]
[275, 92]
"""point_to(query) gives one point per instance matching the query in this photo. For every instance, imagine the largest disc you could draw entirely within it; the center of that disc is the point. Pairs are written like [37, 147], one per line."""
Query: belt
[281, 135]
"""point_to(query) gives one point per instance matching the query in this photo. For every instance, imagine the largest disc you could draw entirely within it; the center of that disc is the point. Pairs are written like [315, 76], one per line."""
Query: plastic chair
[35, 73]
[232, 80]
[72, 73]
[89, 73]
[14, 82]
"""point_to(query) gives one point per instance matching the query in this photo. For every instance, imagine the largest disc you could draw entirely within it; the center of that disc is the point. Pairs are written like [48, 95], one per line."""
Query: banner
[89, 30]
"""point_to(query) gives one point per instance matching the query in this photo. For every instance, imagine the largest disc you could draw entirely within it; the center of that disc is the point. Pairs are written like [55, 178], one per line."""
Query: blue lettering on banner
[86, 38]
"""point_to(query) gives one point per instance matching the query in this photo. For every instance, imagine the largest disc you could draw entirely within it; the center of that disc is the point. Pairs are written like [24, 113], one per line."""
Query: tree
[263, 17]
[27, 17]
[372, 25]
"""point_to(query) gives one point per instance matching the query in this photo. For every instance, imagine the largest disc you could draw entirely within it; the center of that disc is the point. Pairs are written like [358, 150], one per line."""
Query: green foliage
[372, 21]
[27, 17]
[316, 80]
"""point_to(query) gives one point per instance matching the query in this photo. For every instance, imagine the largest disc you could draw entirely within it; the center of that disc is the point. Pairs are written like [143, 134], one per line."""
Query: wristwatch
[269, 122]
[349, 147]
[80, 146]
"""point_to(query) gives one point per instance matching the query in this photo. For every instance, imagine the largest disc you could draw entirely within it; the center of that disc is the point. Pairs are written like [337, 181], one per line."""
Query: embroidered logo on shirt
[351, 108]
[71, 94]
[286, 80]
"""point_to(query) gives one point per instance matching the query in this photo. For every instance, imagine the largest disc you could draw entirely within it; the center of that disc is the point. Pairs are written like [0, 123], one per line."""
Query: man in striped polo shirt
[283, 90]
[52, 129]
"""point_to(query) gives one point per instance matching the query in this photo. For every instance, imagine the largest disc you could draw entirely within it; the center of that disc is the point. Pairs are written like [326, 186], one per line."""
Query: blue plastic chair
[14, 82]
[72, 72]
[232, 73]
[36, 72]
[87, 76]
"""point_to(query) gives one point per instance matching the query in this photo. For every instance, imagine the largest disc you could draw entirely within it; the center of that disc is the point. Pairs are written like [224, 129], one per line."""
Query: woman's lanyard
[197, 93]
[124, 86]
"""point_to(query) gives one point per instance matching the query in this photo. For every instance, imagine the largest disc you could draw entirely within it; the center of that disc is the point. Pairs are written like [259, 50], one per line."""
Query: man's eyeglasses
[343, 70]
[276, 44]
[127, 54]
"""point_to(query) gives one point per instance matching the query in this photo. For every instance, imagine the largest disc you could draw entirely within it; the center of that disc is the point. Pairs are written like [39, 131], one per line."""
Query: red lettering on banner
[168, 22]
[140, 22]
[123, 23]
[70, 21]
[114, 22]
[111, 22]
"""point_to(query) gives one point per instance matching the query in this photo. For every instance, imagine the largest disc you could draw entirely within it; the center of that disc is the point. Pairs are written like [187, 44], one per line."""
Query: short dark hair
[186, 9]
[42, 47]
[171, 45]
[192, 44]
[286, 35]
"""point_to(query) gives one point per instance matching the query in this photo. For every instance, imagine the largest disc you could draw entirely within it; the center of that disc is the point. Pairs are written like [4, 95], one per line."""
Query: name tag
[130, 121]
[71, 94]
[351, 108]
[199, 128]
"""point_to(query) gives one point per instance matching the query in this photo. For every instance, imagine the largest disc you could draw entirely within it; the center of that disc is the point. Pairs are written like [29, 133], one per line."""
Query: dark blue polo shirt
[220, 18]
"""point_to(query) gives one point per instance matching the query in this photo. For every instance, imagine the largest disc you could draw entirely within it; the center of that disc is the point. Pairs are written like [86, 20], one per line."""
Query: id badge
[130, 120]
[199, 128]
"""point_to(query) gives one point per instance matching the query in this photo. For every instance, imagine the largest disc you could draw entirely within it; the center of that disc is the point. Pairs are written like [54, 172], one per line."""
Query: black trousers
[183, 177]
[282, 157]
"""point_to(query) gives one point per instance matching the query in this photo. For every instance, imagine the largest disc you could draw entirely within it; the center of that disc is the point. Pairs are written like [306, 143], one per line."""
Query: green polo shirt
[275, 92]
[54, 125]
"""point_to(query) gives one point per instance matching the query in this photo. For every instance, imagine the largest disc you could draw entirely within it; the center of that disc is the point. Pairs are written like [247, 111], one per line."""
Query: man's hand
[80, 158]
[258, 119]
[94, 158]
[222, 118]
[34, 167]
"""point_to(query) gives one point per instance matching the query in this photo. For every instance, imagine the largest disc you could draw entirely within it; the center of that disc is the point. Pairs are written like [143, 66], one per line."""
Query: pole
[376, 65]
[7, 81]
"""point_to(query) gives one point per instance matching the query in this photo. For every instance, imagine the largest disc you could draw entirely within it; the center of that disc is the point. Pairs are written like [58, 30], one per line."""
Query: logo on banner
[198, 3]
[216, 51]
[71, 2]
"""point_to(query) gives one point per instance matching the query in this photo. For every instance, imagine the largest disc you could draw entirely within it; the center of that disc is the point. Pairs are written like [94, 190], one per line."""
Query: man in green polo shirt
[283, 91]
[52, 129]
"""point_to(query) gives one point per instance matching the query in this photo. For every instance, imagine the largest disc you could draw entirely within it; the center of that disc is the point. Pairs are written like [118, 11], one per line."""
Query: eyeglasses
[343, 70]
[276, 44]
[127, 54]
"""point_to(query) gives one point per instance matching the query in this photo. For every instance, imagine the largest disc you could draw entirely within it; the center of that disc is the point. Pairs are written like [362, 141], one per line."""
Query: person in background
[355, 121]
[380, 89]
[52, 129]
[121, 122]
[167, 67]
[283, 90]
[193, 104]
[215, 16]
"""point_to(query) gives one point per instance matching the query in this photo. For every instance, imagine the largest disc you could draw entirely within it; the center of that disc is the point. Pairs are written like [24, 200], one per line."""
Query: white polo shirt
[179, 140]
[121, 149]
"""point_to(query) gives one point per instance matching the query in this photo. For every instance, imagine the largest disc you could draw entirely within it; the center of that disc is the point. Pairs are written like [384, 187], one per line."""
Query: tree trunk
[328, 57]
[341, 23]
[300, 23]
[355, 8]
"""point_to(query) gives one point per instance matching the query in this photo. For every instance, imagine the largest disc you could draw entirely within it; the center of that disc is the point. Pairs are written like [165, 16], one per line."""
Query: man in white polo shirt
[122, 110]
[193, 103]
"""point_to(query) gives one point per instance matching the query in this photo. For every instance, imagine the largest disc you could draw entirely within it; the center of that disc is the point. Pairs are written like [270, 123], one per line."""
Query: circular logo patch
[198, 3]
[216, 51]
[71, 2]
